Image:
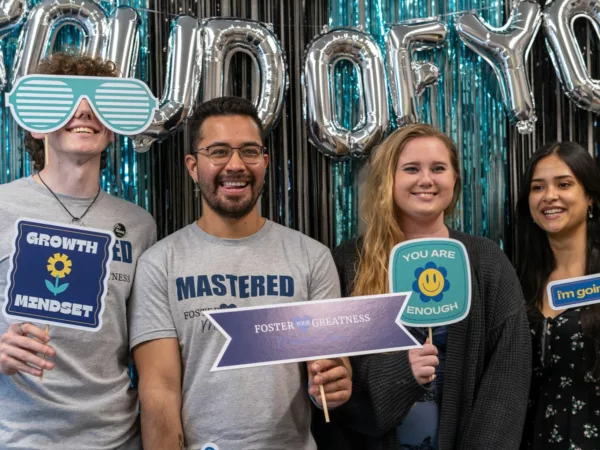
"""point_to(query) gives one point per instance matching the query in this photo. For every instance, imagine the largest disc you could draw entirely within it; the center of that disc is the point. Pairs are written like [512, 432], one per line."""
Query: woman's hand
[423, 362]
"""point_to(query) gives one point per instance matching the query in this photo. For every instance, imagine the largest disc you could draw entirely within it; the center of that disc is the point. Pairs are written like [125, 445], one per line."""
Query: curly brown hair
[64, 64]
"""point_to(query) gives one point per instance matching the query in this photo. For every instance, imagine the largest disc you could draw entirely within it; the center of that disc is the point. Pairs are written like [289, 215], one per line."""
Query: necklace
[74, 220]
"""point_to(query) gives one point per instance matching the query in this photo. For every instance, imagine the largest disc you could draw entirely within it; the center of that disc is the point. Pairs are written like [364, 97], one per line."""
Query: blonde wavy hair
[380, 212]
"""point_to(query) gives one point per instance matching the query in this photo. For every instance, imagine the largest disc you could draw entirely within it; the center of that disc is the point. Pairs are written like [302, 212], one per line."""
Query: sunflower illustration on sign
[431, 282]
[59, 266]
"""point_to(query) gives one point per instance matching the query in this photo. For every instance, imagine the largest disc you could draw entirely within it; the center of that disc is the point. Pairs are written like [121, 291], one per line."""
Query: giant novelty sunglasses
[45, 103]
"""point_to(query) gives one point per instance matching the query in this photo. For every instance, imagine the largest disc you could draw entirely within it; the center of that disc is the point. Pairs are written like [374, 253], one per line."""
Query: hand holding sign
[43, 257]
[305, 331]
[423, 362]
[334, 380]
[438, 273]
[20, 347]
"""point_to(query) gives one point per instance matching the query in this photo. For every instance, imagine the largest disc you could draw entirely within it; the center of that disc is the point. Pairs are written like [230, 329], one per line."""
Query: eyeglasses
[221, 154]
[45, 103]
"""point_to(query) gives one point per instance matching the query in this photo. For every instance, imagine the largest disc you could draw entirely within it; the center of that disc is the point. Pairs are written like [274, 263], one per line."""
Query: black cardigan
[487, 374]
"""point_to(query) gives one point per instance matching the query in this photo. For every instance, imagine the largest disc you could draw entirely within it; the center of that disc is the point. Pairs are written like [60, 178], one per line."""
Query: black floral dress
[564, 402]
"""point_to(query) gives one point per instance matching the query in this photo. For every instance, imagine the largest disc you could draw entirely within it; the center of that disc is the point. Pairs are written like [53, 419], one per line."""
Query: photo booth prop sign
[438, 275]
[45, 103]
[574, 292]
[304, 331]
[58, 274]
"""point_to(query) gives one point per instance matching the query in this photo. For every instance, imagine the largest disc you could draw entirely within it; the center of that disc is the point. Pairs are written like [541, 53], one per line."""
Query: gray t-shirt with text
[85, 402]
[260, 408]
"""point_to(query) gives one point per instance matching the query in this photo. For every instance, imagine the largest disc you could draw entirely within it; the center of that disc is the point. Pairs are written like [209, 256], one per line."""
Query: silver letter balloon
[324, 128]
[225, 37]
[12, 15]
[559, 18]
[409, 78]
[123, 39]
[506, 49]
[200, 55]
[46, 17]
[182, 82]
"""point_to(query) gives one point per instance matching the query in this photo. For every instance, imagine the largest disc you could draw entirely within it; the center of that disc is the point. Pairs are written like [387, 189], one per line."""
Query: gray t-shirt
[86, 401]
[260, 408]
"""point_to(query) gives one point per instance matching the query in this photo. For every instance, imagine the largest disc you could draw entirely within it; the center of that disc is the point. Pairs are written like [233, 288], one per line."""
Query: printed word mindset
[44, 304]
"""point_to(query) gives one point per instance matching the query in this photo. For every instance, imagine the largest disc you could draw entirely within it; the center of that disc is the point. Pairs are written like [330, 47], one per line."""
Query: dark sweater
[488, 368]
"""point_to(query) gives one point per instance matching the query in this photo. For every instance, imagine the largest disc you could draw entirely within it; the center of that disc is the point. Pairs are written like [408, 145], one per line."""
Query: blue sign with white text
[574, 292]
[58, 274]
[438, 273]
[303, 331]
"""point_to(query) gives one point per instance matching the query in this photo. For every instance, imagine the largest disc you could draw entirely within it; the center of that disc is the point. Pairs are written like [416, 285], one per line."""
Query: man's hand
[19, 352]
[423, 362]
[336, 377]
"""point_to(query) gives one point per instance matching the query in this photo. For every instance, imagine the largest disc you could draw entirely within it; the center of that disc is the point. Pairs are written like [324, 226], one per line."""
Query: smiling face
[84, 135]
[557, 200]
[431, 282]
[424, 180]
[231, 190]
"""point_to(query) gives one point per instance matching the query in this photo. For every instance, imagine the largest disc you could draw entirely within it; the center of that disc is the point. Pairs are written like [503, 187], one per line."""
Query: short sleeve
[324, 282]
[150, 315]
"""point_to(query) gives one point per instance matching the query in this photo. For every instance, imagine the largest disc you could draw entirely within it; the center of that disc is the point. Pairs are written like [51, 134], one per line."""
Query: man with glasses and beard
[230, 257]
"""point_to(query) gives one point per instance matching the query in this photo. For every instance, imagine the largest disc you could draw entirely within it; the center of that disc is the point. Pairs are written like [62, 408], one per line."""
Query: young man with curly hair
[85, 400]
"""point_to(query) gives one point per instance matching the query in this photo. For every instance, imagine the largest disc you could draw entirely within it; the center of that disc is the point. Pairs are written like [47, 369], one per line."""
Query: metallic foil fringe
[304, 189]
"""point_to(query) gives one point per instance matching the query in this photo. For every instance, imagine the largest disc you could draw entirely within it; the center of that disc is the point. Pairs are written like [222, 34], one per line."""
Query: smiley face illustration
[431, 282]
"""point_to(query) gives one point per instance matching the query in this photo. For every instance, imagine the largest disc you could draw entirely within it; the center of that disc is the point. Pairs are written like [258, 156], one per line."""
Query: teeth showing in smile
[84, 130]
[424, 194]
[549, 212]
[234, 183]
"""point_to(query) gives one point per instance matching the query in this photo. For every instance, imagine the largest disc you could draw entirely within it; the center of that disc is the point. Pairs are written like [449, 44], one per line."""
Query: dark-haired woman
[559, 238]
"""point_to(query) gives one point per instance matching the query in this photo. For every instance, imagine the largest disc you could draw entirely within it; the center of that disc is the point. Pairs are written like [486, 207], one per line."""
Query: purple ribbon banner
[304, 331]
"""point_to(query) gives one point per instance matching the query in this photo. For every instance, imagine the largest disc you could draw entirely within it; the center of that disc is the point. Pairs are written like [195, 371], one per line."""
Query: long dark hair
[535, 260]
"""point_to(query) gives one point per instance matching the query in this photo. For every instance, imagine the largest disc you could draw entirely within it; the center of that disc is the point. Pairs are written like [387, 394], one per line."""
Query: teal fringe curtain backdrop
[305, 190]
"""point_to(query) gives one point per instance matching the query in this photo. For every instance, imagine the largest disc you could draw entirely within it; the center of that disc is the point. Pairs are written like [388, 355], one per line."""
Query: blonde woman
[468, 389]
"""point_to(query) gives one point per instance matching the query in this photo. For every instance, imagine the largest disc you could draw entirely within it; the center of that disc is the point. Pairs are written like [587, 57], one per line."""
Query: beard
[234, 207]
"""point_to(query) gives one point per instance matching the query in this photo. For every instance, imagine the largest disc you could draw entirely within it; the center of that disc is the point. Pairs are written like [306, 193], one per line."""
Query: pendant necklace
[74, 220]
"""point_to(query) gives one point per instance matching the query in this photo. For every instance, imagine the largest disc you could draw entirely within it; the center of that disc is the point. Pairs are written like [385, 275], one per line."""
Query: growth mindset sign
[58, 274]
[303, 331]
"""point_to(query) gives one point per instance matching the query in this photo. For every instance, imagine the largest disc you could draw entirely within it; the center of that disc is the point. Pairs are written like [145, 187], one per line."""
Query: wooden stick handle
[44, 355]
[324, 402]
[430, 336]
[46, 151]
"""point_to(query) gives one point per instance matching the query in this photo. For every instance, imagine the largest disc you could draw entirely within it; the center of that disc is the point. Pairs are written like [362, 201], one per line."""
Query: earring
[196, 189]
[590, 212]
